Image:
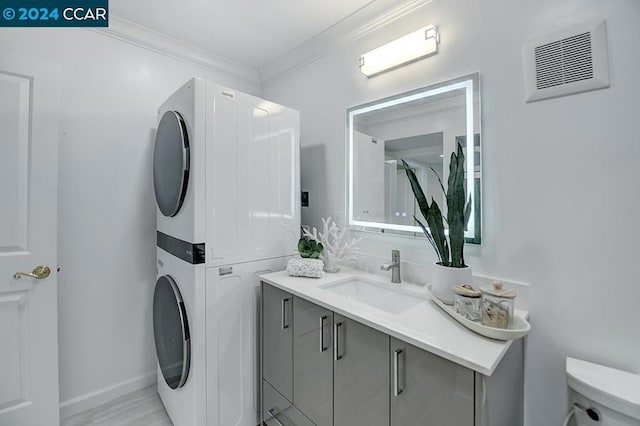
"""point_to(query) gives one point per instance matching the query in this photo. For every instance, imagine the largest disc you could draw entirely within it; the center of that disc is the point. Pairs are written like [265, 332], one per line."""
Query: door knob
[39, 272]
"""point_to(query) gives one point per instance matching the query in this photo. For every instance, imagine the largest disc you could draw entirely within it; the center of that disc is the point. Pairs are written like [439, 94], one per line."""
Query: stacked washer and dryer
[226, 180]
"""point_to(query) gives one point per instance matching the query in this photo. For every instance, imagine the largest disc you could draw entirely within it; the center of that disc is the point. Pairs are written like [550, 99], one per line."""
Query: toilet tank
[602, 395]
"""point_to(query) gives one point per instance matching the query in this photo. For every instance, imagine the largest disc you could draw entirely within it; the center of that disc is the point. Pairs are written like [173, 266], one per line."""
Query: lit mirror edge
[474, 174]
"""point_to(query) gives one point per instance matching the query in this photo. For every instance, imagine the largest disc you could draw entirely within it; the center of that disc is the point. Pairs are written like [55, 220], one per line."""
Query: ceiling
[251, 32]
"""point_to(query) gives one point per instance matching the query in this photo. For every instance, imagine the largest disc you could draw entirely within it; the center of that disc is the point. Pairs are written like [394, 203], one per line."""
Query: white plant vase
[330, 263]
[444, 278]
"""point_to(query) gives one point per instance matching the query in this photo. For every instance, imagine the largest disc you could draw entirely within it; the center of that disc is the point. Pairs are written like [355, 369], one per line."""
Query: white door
[29, 104]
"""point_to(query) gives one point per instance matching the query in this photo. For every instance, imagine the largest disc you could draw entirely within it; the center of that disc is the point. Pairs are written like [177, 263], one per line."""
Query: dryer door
[171, 332]
[171, 163]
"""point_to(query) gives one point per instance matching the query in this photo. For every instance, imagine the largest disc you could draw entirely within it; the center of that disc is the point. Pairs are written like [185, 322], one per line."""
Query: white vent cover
[571, 61]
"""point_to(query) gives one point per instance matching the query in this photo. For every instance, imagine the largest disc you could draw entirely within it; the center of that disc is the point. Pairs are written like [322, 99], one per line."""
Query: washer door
[171, 332]
[171, 163]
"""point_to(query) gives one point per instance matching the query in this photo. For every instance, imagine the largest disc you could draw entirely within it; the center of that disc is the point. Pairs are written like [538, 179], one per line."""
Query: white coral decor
[334, 248]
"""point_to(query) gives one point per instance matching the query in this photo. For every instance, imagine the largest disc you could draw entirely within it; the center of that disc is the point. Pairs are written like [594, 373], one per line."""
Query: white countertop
[423, 325]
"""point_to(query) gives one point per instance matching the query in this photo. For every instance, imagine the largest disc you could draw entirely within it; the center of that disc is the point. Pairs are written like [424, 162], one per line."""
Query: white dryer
[226, 175]
[178, 164]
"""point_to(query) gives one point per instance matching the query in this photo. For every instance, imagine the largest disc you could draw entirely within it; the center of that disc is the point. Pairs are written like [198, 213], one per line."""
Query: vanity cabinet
[427, 389]
[313, 361]
[324, 369]
[277, 339]
[360, 374]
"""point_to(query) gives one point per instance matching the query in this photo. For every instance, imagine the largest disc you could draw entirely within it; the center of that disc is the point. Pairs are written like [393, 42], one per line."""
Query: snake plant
[450, 253]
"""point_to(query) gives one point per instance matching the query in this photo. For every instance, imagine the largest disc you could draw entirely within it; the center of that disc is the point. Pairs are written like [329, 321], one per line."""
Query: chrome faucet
[394, 266]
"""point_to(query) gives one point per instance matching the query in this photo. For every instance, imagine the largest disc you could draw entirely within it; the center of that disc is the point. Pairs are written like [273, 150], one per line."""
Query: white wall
[560, 176]
[107, 214]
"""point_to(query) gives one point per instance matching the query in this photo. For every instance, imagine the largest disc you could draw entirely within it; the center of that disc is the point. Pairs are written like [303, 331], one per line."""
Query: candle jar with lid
[497, 306]
[467, 302]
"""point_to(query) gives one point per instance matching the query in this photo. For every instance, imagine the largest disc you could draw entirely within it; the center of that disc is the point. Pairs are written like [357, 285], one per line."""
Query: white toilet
[603, 396]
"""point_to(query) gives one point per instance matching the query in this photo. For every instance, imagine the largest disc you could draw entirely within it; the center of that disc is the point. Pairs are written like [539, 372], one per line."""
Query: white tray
[520, 327]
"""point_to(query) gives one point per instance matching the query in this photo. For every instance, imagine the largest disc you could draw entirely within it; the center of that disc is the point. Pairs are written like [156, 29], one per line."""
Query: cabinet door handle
[397, 390]
[285, 323]
[322, 346]
[274, 416]
[336, 346]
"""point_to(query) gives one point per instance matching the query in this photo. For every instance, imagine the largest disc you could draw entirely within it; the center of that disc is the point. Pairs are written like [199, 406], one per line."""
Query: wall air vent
[564, 61]
[571, 61]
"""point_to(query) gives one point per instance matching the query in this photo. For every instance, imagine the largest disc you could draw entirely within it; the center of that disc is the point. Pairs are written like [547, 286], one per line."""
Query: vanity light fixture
[404, 50]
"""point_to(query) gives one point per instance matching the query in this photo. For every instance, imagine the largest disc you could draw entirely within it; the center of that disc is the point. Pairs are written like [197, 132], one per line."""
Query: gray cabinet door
[428, 390]
[360, 374]
[277, 339]
[313, 361]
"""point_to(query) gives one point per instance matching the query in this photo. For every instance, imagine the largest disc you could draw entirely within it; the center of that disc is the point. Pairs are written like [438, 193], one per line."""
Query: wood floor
[140, 408]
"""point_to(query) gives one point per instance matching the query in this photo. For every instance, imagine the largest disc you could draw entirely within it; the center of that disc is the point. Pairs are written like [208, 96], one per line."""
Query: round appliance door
[171, 163]
[171, 332]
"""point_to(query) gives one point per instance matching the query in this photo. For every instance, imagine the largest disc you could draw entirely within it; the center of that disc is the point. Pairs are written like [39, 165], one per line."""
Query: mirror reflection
[423, 128]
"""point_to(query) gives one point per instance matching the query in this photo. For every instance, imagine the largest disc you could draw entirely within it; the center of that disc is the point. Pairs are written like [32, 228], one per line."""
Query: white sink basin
[376, 295]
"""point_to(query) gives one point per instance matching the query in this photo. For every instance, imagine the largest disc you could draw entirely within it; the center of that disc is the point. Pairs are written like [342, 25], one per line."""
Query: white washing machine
[206, 329]
[180, 339]
[226, 180]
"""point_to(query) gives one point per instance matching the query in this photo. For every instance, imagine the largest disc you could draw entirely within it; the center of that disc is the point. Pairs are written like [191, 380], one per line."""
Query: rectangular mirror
[422, 127]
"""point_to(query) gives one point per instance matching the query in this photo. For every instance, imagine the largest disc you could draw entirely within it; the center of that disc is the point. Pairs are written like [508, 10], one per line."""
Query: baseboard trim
[93, 399]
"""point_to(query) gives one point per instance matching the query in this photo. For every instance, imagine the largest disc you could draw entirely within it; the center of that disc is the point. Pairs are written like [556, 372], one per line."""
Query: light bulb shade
[409, 48]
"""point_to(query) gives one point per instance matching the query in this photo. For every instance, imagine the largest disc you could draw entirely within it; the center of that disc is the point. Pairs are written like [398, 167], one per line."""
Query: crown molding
[371, 17]
[374, 15]
[137, 35]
